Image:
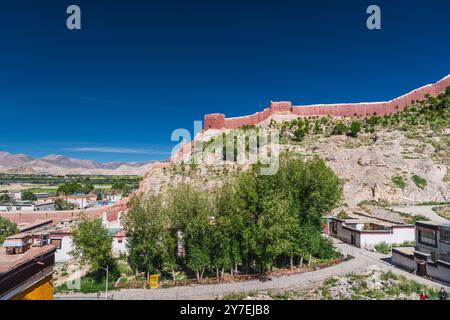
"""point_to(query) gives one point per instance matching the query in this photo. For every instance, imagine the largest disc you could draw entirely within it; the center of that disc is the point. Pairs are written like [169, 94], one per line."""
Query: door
[353, 239]
[421, 268]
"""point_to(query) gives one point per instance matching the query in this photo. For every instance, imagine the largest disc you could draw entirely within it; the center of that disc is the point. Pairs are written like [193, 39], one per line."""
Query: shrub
[419, 217]
[383, 247]
[409, 286]
[355, 128]
[419, 181]
[388, 276]
[299, 134]
[339, 128]
[447, 91]
[399, 182]
[342, 215]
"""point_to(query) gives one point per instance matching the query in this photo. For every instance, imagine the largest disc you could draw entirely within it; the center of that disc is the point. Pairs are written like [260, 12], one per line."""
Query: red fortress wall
[218, 120]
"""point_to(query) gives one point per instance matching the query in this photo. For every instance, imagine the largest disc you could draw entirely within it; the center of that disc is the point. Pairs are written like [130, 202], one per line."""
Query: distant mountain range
[61, 165]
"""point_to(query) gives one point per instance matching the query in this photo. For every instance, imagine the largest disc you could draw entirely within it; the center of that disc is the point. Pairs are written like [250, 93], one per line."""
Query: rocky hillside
[402, 158]
[373, 284]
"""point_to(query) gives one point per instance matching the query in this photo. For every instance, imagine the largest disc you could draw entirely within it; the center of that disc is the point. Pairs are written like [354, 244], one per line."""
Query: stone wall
[219, 121]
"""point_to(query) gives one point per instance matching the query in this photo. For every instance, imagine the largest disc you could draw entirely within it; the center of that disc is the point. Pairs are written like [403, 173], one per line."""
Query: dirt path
[426, 211]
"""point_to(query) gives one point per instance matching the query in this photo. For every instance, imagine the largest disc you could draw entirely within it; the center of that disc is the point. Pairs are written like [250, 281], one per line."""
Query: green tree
[28, 196]
[191, 212]
[92, 244]
[151, 242]
[61, 204]
[7, 228]
[4, 198]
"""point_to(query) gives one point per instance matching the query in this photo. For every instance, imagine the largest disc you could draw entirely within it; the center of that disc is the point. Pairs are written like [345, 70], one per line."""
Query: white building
[119, 245]
[43, 205]
[62, 240]
[367, 233]
[81, 201]
[431, 255]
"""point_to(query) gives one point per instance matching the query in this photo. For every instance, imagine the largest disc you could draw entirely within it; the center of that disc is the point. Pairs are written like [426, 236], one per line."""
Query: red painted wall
[218, 121]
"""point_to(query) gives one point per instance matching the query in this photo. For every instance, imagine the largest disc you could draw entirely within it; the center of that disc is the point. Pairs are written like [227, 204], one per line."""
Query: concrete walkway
[426, 211]
[363, 259]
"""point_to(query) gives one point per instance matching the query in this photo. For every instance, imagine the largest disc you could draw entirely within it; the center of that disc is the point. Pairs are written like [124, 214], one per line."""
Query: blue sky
[137, 70]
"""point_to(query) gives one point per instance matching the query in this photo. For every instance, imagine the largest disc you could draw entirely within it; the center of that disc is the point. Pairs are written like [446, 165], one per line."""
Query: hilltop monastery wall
[218, 120]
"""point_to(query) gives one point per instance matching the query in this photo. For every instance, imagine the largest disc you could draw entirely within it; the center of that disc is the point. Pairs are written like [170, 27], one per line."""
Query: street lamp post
[106, 289]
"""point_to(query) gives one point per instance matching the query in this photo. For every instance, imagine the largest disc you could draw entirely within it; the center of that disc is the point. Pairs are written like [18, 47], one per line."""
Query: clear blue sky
[137, 70]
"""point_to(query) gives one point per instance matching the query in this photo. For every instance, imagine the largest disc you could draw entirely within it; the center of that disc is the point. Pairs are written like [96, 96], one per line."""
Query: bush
[399, 182]
[383, 247]
[355, 128]
[339, 129]
[419, 217]
[342, 215]
[299, 134]
[447, 91]
[419, 181]
[388, 276]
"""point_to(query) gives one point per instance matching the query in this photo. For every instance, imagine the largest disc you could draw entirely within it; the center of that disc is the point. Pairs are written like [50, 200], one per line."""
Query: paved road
[426, 211]
[362, 260]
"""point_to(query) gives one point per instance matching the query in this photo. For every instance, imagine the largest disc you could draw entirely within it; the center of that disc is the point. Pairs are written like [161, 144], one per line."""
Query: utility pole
[106, 291]
[107, 273]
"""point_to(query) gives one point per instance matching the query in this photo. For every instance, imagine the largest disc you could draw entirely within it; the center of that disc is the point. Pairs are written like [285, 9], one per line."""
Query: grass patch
[414, 219]
[419, 181]
[399, 182]
[90, 283]
[383, 247]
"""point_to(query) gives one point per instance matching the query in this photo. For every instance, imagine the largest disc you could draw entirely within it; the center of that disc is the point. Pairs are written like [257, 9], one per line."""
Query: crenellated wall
[219, 121]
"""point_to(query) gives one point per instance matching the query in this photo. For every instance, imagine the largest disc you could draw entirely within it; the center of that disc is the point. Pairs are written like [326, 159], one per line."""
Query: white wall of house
[400, 235]
[397, 236]
[62, 255]
[119, 247]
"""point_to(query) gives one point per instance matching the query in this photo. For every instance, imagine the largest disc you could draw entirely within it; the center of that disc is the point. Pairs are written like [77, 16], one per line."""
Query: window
[445, 236]
[427, 237]
[56, 243]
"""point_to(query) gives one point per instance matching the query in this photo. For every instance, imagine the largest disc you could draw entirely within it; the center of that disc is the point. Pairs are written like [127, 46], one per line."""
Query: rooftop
[35, 225]
[11, 261]
[359, 220]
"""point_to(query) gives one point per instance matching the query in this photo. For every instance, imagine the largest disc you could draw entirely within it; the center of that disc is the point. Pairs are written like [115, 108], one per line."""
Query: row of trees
[75, 187]
[251, 223]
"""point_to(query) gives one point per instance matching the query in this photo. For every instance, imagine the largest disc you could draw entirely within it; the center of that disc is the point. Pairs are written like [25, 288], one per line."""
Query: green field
[49, 184]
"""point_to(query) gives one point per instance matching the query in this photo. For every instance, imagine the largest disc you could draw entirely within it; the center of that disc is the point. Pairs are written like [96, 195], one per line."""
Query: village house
[40, 205]
[26, 269]
[367, 232]
[83, 201]
[431, 254]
